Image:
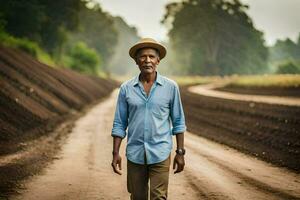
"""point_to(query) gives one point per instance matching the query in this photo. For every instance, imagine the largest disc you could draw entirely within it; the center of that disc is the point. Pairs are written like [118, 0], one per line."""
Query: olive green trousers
[138, 177]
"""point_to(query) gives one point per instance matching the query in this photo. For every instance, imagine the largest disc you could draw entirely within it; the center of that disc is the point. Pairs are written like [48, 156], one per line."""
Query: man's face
[147, 59]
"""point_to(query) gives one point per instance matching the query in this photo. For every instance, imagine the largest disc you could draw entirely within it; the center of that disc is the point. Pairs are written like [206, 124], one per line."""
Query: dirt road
[208, 90]
[213, 171]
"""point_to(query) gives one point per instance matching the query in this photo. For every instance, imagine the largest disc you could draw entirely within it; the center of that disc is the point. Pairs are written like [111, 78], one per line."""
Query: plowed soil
[38, 105]
[268, 131]
[271, 91]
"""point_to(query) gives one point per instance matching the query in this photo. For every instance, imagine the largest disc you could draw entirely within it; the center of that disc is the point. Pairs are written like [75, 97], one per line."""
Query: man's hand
[117, 163]
[179, 162]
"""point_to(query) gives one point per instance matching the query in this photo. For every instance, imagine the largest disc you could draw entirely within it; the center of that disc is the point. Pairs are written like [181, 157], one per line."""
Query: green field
[266, 81]
[244, 81]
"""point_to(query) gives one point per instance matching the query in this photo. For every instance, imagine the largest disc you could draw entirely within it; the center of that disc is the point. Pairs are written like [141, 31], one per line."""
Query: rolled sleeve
[177, 114]
[120, 120]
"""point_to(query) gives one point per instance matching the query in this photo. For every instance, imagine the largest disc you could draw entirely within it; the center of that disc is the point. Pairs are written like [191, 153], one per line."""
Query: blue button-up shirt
[149, 121]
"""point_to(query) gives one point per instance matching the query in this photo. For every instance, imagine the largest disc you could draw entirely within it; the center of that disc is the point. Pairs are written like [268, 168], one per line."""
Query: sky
[278, 19]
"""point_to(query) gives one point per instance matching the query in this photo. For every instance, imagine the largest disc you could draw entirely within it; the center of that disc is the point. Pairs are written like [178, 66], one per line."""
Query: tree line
[217, 37]
[285, 56]
[72, 33]
[206, 37]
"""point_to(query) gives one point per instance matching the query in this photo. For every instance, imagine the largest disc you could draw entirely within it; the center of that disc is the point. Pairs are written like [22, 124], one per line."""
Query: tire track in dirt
[217, 183]
[242, 177]
[260, 186]
[251, 182]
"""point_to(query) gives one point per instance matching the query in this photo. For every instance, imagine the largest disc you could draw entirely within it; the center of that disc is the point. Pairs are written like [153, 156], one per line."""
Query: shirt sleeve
[177, 114]
[121, 116]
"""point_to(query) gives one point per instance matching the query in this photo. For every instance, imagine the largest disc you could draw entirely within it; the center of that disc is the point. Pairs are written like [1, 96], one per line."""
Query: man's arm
[117, 160]
[179, 128]
[179, 159]
[180, 140]
[119, 130]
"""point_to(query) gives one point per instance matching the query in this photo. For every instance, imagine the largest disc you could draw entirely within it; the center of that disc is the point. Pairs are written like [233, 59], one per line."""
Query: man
[149, 106]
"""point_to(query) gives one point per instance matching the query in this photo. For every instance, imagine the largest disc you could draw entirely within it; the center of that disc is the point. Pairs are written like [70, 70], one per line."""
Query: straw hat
[148, 42]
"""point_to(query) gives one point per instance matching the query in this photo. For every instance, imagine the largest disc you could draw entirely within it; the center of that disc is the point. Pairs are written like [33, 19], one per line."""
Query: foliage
[56, 26]
[84, 59]
[288, 68]
[25, 45]
[271, 80]
[284, 53]
[42, 21]
[97, 31]
[18, 43]
[285, 50]
[212, 37]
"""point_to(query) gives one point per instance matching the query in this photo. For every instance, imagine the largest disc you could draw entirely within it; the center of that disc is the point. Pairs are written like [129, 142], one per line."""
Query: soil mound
[271, 91]
[35, 98]
[267, 131]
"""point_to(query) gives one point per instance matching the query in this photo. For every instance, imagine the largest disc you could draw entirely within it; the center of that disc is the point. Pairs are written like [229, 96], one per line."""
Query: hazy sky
[278, 19]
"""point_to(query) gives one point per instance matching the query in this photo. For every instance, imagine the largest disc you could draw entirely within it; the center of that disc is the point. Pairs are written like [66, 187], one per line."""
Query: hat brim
[161, 49]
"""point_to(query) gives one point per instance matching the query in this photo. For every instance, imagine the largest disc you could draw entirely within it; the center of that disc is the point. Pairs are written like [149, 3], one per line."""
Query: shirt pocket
[161, 109]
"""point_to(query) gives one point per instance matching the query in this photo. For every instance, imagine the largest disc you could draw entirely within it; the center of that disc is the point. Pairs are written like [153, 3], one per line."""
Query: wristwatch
[180, 152]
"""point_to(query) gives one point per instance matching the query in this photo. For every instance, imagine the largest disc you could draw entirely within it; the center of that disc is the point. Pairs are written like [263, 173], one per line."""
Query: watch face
[180, 151]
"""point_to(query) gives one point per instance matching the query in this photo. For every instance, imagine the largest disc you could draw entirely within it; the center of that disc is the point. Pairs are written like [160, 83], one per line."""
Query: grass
[27, 46]
[45, 58]
[280, 80]
[192, 80]
[271, 80]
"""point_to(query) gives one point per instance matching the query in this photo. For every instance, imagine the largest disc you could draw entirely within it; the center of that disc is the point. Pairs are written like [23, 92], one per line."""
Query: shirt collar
[158, 80]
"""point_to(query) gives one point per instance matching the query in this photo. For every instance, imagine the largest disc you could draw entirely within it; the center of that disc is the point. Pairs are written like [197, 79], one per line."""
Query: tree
[215, 37]
[84, 59]
[43, 21]
[285, 50]
[288, 68]
[97, 31]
